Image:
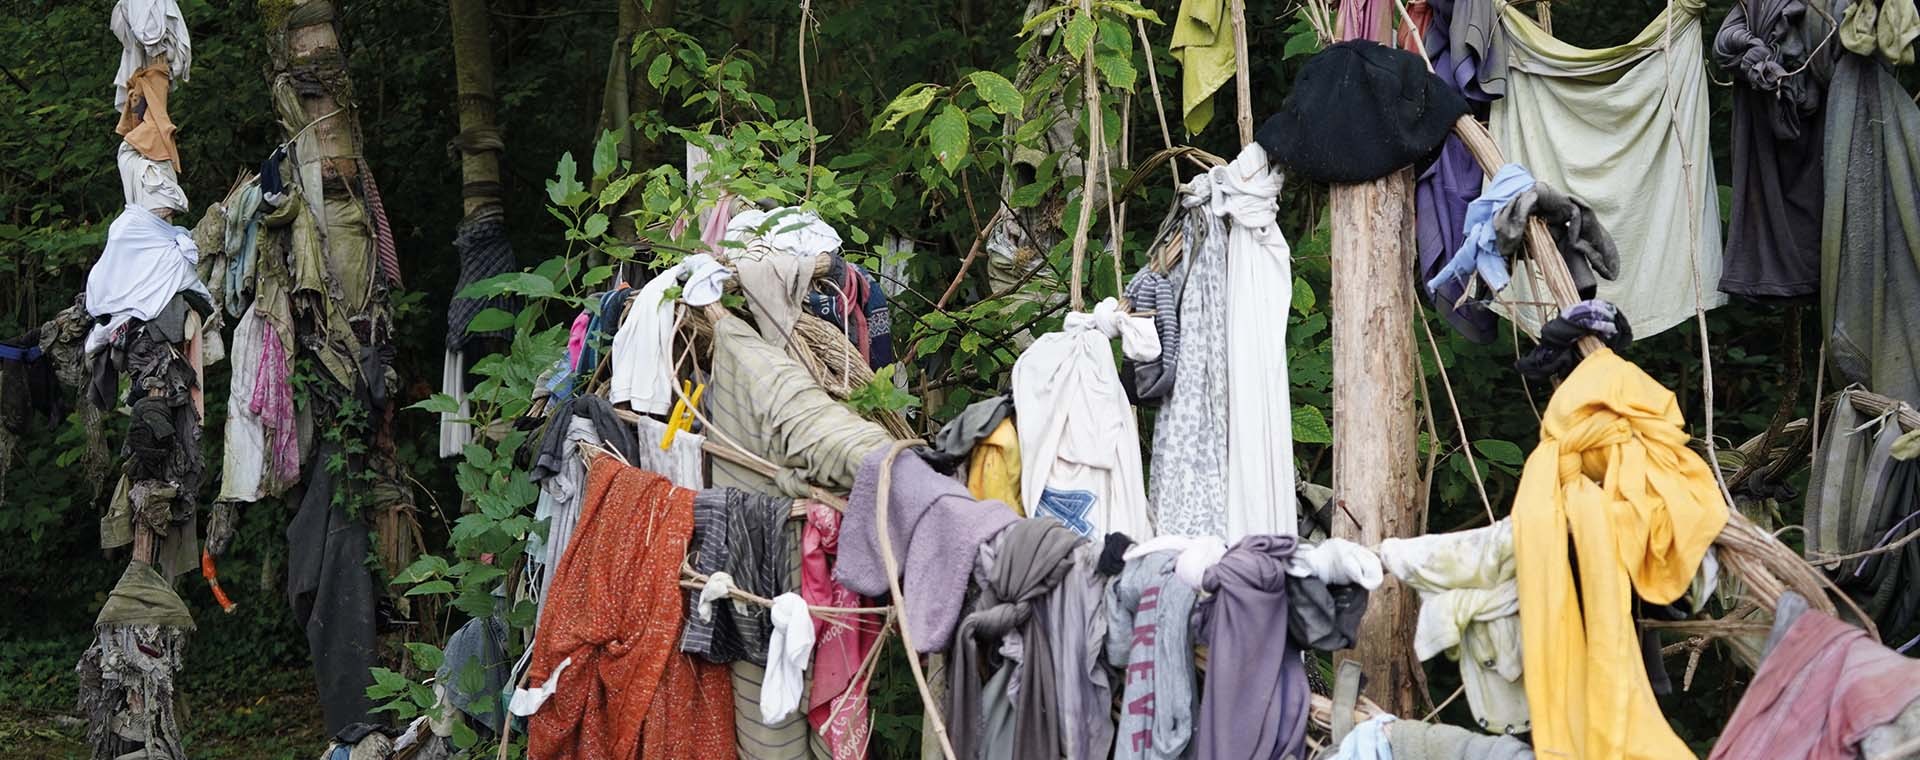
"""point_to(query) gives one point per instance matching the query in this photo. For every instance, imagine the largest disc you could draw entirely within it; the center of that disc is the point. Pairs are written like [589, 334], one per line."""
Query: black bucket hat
[1358, 112]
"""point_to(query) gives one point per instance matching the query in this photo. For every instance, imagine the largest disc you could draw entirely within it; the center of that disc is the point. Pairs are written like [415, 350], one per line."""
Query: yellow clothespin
[682, 416]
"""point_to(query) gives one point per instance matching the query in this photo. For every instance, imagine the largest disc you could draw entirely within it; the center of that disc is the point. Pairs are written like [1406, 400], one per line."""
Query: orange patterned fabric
[614, 609]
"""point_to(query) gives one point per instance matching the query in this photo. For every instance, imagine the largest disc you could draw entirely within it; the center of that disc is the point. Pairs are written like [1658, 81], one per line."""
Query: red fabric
[382, 231]
[853, 305]
[614, 607]
[1422, 15]
[839, 649]
[1818, 693]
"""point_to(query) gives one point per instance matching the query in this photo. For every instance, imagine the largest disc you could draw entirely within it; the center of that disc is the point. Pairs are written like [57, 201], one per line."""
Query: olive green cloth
[1885, 28]
[1203, 43]
[142, 597]
[1618, 127]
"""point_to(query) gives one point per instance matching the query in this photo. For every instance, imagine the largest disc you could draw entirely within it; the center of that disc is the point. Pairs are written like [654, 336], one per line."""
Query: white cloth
[718, 586]
[145, 263]
[643, 346]
[1337, 561]
[1260, 478]
[789, 649]
[149, 184]
[1079, 445]
[787, 230]
[1638, 112]
[527, 700]
[148, 29]
[1197, 554]
[455, 431]
[1367, 741]
[244, 455]
[1469, 608]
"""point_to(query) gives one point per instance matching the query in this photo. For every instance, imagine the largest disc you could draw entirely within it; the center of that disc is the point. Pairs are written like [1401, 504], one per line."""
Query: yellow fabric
[1203, 44]
[993, 469]
[1614, 471]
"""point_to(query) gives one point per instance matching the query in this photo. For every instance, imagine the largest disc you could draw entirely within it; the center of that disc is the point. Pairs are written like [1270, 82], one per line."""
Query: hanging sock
[789, 650]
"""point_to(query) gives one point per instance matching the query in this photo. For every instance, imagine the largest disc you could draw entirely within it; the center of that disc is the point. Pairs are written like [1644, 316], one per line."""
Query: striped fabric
[790, 739]
[382, 231]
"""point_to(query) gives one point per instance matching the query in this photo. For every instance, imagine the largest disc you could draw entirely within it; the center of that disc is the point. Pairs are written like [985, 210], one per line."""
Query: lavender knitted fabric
[1254, 706]
[936, 528]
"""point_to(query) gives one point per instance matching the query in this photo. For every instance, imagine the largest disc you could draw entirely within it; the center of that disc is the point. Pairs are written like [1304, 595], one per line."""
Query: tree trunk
[628, 93]
[1375, 482]
[479, 141]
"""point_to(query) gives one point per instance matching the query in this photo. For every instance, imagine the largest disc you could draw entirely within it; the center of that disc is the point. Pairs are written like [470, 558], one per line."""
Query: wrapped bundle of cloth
[127, 676]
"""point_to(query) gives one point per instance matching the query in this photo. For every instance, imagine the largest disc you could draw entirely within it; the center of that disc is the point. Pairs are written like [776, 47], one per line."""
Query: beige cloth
[761, 400]
[1617, 126]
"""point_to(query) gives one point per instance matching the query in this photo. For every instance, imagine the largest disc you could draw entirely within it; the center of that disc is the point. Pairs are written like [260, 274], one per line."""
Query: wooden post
[1242, 74]
[1375, 475]
[479, 140]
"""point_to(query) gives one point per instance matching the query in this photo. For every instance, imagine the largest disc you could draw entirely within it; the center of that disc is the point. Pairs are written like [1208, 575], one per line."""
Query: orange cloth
[1613, 471]
[144, 121]
[614, 608]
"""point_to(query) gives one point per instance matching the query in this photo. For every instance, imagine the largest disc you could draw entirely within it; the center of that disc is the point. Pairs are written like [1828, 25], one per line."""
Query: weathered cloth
[1870, 241]
[146, 262]
[243, 455]
[936, 530]
[1151, 380]
[642, 360]
[1641, 109]
[474, 670]
[1203, 44]
[143, 118]
[1882, 28]
[1189, 473]
[1773, 232]
[1577, 233]
[753, 552]
[1367, 741]
[1613, 470]
[1414, 740]
[607, 635]
[127, 688]
[481, 241]
[1255, 699]
[956, 440]
[761, 400]
[147, 30]
[147, 183]
[1848, 472]
[1147, 623]
[776, 285]
[1022, 567]
[837, 708]
[1818, 693]
[1075, 617]
[1359, 111]
[1079, 445]
[1469, 606]
[1260, 476]
[383, 243]
[332, 593]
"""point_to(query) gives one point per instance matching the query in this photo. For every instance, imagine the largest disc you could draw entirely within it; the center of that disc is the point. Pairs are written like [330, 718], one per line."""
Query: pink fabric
[853, 304]
[577, 340]
[273, 403]
[1359, 19]
[382, 230]
[1818, 693]
[838, 710]
[715, 229]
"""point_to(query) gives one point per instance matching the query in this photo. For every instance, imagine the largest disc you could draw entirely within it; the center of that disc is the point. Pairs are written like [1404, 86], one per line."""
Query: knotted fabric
[1147, 636]
[789, 649]
[837, 702]
[1255, 703]
[1469, 607]
[1022, 566]
[1614, 471]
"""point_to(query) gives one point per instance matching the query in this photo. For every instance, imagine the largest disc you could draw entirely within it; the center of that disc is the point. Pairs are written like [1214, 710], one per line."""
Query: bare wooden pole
[1376, 477]
[1242, 74]
[479, 140]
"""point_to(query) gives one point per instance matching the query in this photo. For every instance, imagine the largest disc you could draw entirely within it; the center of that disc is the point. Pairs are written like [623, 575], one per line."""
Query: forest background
[247, 682]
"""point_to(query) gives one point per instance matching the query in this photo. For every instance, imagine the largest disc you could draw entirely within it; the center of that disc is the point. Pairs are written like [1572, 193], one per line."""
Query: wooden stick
[1242, 74]
[885, 487]
[1091, 91]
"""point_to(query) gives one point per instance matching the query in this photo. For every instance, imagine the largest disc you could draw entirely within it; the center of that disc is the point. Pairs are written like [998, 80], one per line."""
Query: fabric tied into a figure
[1079, 445]
[1614, 471]
[1021, 567]
[1255, 699]
[1469, 610]
[145, 263]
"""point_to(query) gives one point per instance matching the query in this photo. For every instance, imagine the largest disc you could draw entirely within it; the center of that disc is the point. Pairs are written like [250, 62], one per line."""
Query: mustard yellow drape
[1612, 471]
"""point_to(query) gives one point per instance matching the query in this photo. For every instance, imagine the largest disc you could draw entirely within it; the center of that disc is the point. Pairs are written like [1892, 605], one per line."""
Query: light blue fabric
[1477, 252]
[1368, 741]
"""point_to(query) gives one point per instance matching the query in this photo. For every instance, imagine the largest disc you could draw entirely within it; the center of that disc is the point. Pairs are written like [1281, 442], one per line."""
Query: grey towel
[1414, 740]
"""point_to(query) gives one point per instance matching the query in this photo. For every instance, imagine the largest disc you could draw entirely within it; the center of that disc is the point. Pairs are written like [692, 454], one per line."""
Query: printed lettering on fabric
[1142, 671]
[1070, 507]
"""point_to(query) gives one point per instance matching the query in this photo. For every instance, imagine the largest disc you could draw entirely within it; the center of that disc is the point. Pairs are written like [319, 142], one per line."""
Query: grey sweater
[1147, 636]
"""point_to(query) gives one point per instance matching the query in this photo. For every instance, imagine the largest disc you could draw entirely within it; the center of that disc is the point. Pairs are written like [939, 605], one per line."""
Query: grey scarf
[1022, 565]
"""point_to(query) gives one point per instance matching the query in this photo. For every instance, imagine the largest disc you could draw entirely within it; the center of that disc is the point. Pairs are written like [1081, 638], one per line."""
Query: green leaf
[947, 136]
[1028, 195]
[1305, 43]
[657, 71]
[1041, 18]
[910, 101]
[1504, 452]
[566, 185]
[1000, 94]
[421, 569]
[618, 189]
[1309, 426]
[431, 587]
[597, 275]
[1131, 9]
[463, 735]
[489, 320]
[1079, 35]
[1117, 69]
[1031, 130]
[438, 403]
[595, 226]
[425, 656]
[1303, 297]
[606, 153]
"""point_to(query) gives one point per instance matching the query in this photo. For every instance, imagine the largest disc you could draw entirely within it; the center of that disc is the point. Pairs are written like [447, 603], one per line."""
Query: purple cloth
[1254, 706]
[936, 529]
[1446, 187]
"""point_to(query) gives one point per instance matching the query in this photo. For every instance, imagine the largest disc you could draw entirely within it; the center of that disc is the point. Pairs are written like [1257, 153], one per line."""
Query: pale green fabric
[1617, 127]
[1885, 28]
[1203, 43]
